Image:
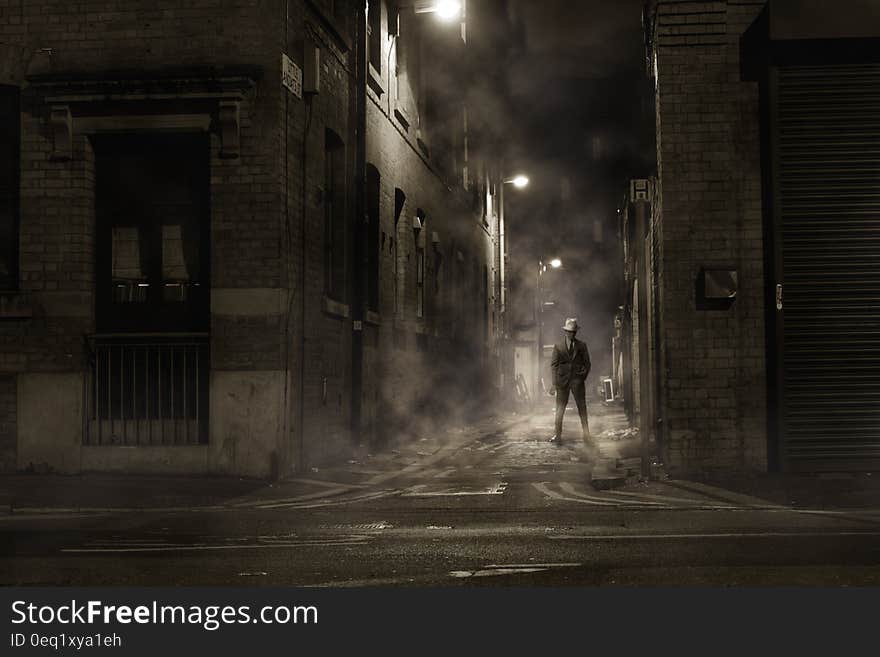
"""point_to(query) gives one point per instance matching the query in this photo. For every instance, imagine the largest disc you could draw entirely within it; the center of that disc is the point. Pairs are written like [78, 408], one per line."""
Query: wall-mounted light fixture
[519, 181]
[447, 10]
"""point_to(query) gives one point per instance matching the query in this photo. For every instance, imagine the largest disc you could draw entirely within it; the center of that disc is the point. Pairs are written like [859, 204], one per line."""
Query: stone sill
[374, 79]
[402, 117]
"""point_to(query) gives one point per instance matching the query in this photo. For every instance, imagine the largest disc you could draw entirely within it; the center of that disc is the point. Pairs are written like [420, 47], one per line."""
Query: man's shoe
[556, 439]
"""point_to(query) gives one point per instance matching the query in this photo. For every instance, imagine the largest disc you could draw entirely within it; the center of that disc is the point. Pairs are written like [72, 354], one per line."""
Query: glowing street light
[556, 263]
[448, 10]
[519, 181]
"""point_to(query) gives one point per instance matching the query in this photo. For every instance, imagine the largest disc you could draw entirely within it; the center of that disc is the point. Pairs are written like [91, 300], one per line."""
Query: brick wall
[326, 374]
[8, 413]
[420, 371]
[709, 215]
[57, 204]
[121, 39]
[267, 221]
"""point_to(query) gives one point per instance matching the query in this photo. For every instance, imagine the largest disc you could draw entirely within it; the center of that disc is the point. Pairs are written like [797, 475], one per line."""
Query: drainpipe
[359, 233]
[646, 412]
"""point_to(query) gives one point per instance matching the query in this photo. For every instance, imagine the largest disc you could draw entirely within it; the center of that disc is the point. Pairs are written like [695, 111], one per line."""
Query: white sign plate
[291, 76]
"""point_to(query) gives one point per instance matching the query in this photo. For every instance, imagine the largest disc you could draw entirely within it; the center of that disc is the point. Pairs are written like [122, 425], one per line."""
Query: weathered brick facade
[708, 215]
[455, 339]
[7, 423]
[281, 351]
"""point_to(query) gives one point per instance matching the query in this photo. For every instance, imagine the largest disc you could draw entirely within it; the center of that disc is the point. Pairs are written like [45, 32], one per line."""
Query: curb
[723, 495]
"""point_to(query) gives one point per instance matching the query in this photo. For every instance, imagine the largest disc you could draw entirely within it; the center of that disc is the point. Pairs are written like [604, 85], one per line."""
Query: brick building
[761, 235]
[185, 282]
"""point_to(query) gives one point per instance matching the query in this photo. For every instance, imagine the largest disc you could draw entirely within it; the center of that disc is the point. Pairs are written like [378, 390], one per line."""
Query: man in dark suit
[571, 365]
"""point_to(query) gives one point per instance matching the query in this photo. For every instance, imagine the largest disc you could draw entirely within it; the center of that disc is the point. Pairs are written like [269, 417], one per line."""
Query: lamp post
[520, 182]
[507, 346]
[554, 263]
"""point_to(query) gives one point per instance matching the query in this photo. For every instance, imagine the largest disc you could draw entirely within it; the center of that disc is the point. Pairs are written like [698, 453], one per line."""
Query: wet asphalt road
[507, 509]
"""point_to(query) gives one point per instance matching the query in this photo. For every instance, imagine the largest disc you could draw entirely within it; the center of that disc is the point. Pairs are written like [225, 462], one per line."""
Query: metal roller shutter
[828, 200]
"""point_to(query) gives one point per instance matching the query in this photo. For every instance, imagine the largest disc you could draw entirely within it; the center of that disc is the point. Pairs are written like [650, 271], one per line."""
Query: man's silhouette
[571, 365]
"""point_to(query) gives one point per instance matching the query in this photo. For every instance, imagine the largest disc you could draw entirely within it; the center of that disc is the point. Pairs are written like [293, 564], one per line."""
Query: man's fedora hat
[571, 324]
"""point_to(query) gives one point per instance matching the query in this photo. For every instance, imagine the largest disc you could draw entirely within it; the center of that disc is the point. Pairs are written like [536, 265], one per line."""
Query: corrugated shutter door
[829, 202]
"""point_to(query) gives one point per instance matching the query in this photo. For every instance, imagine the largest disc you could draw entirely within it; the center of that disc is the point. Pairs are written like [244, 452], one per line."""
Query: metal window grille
[147, 391]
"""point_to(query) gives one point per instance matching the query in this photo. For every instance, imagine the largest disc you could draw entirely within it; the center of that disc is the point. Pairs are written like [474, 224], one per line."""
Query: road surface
[500, 508]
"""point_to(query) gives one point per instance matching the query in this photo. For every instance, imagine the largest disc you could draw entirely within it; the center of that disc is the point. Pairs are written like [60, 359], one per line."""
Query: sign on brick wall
[291, 76]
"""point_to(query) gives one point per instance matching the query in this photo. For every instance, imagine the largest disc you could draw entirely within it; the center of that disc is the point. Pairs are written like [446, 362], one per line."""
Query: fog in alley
[284, 284]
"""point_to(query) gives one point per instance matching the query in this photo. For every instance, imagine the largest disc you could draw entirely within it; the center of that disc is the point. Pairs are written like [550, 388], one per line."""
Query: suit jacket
[568, 366]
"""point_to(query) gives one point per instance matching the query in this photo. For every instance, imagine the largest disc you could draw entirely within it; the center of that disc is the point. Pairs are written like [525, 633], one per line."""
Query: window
[399, 203]
[152, 258]
[334, 217]
[485, 304]
[420, 281]
[10, 138]
[438, 269]
[374, 33]
[408, 64]
[152, 203]
[373, 229]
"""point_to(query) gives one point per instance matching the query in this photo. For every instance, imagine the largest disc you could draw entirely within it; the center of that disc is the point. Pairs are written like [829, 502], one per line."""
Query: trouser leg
[579, 390]
[562, 393]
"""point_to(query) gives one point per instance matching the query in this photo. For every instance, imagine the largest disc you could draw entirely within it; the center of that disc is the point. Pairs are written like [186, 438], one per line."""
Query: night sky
[581, 104]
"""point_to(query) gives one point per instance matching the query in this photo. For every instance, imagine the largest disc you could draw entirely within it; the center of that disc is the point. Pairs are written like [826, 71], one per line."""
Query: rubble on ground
[628, 433]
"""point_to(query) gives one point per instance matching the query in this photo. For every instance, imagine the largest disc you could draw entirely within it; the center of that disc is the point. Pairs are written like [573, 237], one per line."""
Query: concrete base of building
[245, 430]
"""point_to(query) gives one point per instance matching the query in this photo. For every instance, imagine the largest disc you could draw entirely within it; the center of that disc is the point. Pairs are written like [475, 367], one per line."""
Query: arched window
[399, 203]
[374, 186]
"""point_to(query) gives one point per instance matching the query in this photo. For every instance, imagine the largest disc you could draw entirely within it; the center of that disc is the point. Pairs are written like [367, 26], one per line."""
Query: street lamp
[446, 10]
[554, 263]
[519, 182]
